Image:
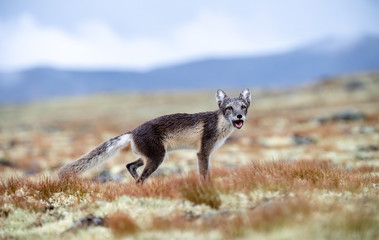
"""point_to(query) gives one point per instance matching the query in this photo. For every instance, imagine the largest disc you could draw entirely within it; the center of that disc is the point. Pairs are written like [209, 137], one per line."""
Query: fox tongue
[238, 124]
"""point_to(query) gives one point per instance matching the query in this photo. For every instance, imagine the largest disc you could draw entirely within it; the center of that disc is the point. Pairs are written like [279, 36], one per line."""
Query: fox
[152, 140]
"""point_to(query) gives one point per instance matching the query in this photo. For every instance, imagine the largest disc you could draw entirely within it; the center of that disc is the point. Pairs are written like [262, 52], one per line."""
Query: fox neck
[225, 127]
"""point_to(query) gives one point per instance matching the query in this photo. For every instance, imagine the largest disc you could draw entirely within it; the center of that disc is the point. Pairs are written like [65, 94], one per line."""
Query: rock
[346, 116]
[367, 130]
[49, 207]
[31, 171]
[268, 206]
[4, 213]
[363, 130]
[368, 148]
[191, 216]
[6, 163]
[302, 140]
[51, 128]
[349, 168]
[11, 144]
[86, 222]
[165, 171]
[354, 85]
[364, 156]
[207, 215]
[365, 152]
[107, 176]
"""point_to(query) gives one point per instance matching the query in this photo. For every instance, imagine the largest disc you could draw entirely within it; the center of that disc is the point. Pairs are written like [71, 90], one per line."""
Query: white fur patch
[225, 128]
[220, 96]
[189, 138]
[124, 140]
[245, 94]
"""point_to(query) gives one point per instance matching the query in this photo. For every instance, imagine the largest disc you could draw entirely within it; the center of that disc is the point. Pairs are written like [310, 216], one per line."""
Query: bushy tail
[97, 156]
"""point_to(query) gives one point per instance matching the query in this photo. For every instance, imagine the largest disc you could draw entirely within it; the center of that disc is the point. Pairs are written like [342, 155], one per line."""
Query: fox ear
[245, 94]
[220, 96]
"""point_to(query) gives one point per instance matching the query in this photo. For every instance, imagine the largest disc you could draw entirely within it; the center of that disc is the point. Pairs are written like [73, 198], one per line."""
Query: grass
[280, 176]
[264, 185]
[295, 176]
[287, 212]
[298, 182]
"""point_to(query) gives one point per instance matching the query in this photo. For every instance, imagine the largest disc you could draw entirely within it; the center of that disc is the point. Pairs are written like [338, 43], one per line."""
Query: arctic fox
[205, 131]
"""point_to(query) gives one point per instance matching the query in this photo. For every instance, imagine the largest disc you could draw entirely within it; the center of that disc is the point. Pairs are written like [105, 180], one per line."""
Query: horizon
[327, 44]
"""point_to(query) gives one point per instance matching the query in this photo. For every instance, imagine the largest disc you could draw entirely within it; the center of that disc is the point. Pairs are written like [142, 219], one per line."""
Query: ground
[304, 166]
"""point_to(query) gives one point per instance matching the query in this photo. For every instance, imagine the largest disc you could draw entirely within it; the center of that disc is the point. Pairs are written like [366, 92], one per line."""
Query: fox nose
[239, 116]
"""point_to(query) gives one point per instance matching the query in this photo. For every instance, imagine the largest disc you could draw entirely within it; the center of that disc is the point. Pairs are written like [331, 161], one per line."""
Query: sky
[142, 35]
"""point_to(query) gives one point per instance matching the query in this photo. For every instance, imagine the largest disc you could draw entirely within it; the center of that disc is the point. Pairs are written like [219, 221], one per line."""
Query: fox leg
[132, 167]
[203, 160]
[151, 165]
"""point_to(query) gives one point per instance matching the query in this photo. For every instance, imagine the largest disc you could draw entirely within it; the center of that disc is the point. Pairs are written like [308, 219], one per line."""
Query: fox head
[234, 109]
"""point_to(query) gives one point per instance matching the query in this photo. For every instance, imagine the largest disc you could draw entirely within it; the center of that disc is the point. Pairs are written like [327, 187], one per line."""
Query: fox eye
[243, 107]
[229, 108]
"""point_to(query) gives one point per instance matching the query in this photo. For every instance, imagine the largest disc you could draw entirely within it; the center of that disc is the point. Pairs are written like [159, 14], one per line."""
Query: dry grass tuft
[361, 221]
[272, 214]
[10, 186]
[175, 222]
[317, 199]
[45, 187]
[296, 175]
[265, 217]
[200, 193]
[27, 203]
[366, 169]
[167, 187]
[121, 224]
[31, 192]
[154, 188]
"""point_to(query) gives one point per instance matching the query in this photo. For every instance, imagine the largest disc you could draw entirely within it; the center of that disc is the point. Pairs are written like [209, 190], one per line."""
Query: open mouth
[238, 124]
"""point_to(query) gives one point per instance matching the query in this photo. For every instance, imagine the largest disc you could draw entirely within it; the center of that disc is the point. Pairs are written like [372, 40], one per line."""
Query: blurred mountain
[319, 60]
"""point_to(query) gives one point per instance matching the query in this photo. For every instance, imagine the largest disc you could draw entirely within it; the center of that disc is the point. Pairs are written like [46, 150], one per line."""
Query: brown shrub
[200, 193]
[176, 222]
[121, 224]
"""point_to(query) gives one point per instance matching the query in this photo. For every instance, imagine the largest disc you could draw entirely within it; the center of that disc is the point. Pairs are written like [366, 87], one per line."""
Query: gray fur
[97, 156]
[151, 141]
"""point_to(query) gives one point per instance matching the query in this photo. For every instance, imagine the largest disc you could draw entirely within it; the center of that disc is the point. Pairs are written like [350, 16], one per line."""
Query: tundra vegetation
[305, 166]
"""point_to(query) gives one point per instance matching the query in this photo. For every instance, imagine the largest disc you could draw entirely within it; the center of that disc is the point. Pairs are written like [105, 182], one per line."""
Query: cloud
[25, 43]
[258, 28]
